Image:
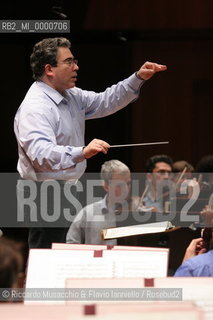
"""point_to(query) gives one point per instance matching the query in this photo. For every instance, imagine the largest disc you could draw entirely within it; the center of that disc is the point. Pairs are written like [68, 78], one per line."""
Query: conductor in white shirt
[50, 122]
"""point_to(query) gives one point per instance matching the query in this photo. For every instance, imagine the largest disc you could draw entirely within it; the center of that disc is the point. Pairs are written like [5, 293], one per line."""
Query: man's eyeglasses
[70, 61]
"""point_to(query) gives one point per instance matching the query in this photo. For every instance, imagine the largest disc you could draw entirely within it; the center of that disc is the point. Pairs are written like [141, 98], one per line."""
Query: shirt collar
[51, 93]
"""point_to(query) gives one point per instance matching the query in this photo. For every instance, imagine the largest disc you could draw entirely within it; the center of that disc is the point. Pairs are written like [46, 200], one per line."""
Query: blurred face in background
[162, 171]
[118, 188]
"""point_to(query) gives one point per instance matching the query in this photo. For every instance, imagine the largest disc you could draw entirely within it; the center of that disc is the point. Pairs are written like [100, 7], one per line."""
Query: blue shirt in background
[198, 266]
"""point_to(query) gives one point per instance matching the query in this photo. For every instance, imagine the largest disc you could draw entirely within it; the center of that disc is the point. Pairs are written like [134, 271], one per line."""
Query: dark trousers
[40, 235]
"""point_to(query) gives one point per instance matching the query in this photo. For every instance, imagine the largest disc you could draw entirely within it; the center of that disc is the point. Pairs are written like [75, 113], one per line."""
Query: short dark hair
[45, 52]
[205, 164]
[151, 162]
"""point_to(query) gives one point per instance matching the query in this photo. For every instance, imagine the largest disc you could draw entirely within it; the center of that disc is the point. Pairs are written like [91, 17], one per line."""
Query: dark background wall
[112, 39]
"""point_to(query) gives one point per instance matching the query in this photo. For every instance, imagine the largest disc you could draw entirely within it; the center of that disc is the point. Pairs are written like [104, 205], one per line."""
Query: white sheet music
[118, 232]
[97, 268]
[50, 268]
[139, 263]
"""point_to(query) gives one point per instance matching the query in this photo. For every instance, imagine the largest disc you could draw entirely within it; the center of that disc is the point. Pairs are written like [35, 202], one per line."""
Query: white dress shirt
[50, 127]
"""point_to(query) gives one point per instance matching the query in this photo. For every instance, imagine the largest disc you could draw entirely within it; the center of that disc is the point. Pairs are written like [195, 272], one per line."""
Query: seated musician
[159, 169]
[87, 225]
[198, 259]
